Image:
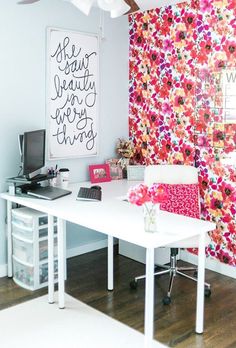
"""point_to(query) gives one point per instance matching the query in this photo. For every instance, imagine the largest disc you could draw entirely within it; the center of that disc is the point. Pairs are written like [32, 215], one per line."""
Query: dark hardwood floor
[174, 324]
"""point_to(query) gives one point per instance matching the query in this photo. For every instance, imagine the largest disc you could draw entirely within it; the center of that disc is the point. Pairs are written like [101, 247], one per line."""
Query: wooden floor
[174, 324]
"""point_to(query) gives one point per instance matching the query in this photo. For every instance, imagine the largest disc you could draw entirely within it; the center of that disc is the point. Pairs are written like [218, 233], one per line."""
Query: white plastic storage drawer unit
[30, 248]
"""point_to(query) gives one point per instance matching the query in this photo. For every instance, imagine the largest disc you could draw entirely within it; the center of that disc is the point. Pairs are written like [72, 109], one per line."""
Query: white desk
[122, 220]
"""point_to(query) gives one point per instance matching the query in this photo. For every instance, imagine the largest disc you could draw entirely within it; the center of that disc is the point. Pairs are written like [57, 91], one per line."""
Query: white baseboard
[86, 248]
[211, 264]
[3, 270]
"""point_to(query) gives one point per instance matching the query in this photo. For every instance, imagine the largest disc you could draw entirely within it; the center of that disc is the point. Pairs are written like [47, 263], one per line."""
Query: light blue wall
[22, 87]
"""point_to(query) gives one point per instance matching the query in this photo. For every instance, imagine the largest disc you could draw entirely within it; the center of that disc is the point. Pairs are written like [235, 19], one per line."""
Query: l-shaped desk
[116, 218]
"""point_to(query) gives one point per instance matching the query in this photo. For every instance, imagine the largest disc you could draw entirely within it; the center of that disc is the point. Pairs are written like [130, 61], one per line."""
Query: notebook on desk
[48, 192]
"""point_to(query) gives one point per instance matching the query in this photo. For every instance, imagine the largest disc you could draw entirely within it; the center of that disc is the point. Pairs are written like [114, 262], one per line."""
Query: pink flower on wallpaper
[166, 108]
[231, 246]
[228, 192]
[168, 45]
[188, 152]
[224, 257]
[188, 86]
[206, 5]
[180, 35]
[189, 19]
[230, 49]
[178, 102]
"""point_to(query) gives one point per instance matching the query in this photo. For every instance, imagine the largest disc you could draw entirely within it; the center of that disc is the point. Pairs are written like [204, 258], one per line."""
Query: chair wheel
[133, 284]
[166, 300]
[207, 292]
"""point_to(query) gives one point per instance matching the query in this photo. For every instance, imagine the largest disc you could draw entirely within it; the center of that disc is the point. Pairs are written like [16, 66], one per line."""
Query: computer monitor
[32, 147]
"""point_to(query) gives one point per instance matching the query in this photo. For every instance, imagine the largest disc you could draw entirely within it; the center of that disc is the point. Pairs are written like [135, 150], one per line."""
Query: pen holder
[54, 181]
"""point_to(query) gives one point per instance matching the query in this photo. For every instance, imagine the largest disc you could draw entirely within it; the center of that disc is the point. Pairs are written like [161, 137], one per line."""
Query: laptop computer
[48, 192]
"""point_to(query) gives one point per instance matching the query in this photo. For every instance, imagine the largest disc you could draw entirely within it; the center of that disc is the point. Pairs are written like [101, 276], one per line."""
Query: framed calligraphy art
[72, 94]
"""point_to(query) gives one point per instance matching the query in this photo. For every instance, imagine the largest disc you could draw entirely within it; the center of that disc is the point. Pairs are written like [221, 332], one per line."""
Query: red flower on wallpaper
[231, 246]
[168, 18]
[180, 35]
[167, 81]
[189, 19]
[165, 146]
[228, 192]
[218, 137]
[206, 46]
[216, 204]
[188, 86]
[230, 49]
[188, 153]
[179, 101]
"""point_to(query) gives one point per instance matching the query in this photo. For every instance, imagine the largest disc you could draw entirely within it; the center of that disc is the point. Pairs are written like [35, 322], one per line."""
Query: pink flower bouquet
[141, 194]
[151, 197]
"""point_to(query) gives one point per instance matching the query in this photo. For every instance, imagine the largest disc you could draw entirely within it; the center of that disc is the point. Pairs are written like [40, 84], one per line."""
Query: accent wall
[182, 107]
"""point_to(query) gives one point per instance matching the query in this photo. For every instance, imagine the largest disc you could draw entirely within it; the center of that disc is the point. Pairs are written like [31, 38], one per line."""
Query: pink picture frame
[99, 173]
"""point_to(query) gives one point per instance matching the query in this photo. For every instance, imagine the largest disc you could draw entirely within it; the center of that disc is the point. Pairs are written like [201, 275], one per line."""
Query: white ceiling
[151, 4]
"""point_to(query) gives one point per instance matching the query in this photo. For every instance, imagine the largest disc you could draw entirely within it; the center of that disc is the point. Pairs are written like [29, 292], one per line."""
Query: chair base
[173, 270]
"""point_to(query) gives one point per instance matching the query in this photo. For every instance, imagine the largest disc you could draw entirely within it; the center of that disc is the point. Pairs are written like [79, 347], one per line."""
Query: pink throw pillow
[182, 199]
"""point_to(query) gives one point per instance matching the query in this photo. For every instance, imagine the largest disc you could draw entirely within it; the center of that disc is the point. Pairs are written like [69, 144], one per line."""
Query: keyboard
[89, 194]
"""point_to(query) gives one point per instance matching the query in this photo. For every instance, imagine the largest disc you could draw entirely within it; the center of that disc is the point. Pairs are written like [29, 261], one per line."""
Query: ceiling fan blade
[26, 2]
[133, 6]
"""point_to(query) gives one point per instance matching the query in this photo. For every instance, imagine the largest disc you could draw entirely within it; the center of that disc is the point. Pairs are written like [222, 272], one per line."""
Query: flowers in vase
[150, 198]
[142, 194]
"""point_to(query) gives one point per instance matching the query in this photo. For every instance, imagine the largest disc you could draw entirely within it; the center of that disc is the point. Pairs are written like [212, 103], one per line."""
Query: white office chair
[174, 174]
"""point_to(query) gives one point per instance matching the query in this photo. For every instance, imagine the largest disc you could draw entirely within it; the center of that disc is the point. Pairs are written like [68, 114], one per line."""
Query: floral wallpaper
[179, 57]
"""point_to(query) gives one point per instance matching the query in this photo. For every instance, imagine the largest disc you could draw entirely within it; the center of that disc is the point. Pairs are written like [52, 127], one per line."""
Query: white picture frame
[135, 172]
[72, 94]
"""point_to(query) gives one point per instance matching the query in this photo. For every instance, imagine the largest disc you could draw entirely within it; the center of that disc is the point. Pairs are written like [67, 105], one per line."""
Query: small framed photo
[116, 172]
[99, 173]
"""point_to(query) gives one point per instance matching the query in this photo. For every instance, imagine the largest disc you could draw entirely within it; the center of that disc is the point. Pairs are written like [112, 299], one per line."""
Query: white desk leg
[110, 266]
[149, 298]
[200, 284]
[50, 259]
[61, 263]
[9, 239]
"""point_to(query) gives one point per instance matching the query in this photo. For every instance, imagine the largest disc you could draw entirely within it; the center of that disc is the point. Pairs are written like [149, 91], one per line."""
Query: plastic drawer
[43, 272]
[22, 220]
[22, 231]
[43, 232]
[43, 249]
[26, 217]
[24, 274]
[23, 250]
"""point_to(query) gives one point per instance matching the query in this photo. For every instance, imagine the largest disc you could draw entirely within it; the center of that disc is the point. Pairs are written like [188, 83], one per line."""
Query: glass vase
[150, 217]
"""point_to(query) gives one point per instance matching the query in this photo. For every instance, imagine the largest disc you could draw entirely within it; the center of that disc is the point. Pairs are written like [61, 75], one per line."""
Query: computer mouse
[96, 187]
